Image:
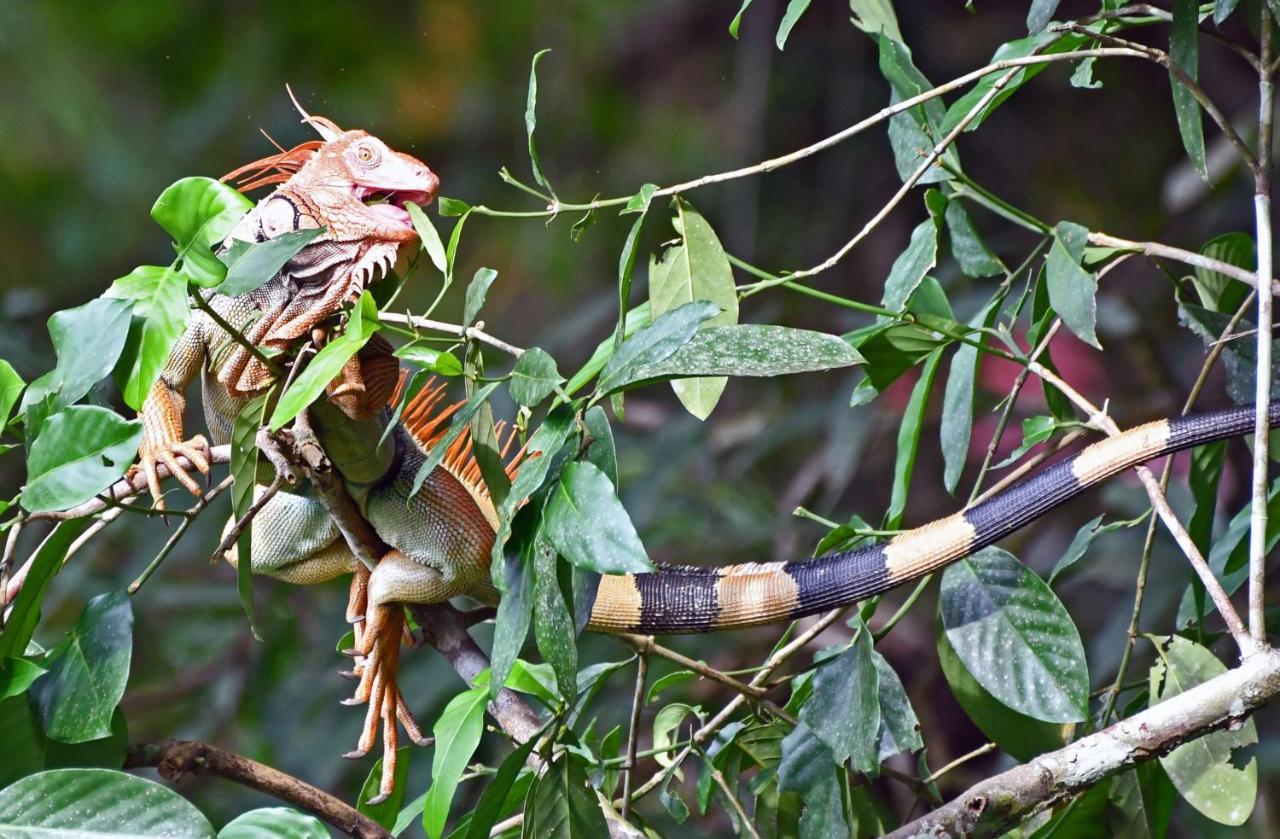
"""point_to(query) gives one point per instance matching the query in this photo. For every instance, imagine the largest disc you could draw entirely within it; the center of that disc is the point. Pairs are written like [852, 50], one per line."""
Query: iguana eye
[364, 154]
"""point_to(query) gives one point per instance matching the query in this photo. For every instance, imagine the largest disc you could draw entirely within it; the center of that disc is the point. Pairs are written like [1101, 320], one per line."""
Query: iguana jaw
[388, 204]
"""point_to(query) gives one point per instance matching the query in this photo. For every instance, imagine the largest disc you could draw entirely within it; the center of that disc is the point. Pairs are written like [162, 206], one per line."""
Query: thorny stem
[1262, 393]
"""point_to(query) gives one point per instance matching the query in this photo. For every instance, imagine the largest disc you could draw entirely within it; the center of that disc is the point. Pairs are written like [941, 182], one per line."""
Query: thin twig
[1196, 260]
[236, 529]
[960, 761]
[469, 332]
[196, 509]
[633, 736]
[644, 644]
[235, 334]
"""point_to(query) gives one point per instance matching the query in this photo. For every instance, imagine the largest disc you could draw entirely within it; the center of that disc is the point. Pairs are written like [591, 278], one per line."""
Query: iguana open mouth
[389, 203]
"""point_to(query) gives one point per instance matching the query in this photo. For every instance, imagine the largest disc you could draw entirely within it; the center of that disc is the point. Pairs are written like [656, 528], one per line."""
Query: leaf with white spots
[844, 708]
[96, 802]
[588, 525]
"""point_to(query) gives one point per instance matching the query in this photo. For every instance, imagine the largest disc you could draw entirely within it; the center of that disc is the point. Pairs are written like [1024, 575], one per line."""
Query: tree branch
[1003, 801]
[176, 758]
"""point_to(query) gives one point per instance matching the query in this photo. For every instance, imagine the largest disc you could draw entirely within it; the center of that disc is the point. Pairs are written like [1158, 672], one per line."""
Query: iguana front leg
[162, 433]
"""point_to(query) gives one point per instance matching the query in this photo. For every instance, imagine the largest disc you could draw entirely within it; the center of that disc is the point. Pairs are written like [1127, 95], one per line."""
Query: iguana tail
[685, 599]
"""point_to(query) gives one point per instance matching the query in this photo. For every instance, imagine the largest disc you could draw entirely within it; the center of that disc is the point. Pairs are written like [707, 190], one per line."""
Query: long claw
[176, 470]
[148, 467]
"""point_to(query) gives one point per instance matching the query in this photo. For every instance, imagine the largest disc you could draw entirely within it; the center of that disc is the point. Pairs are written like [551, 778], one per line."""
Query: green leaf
[1142, 800]
[956, 428]
[1018, 734]
[807, 768]
[460, 422]
[489, 807]
[1203, 770]
[975, 258]
[88, 339]
[911, 265]
[737, 19]
[199, 213]
[909, 433]
[477, 291]
[87, 672]
[1045, 43]
[1072, 290]
[653, 343]
[515, 609]
[1082, 76]
[250, 264]
[666, 730]
[873, 16]
[899, 726]
[1184, 52]
[385, 812]
[531, 120]
[563, 804]
[1218, 291]
[1239, 357]
[795, 9]
[450, 207]
[81, 451]
[1015, 637]
[639, 203]
[601, 451]
[1040, 14]
[16, 675]
[24, 745]
[457, 734]
[160, 300]
[696, 269]
[746, 349]
[427, 234]
[1222, 10]
[1081, 543]
[637, 319]
[244, 475]
[97, 802]
[553, 625]
[11, 386]
[274, 823]
[844, 709]
[437, 361]
[534, 377]
[25, 610]
[1035, 430]
[587, 524]
[327, 363]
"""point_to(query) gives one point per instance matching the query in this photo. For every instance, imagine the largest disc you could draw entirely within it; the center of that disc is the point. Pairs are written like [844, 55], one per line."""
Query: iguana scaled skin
[441, 537]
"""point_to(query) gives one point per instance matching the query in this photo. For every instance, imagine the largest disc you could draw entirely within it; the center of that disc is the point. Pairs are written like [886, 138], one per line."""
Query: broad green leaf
[913, 134]
[747, 349]
[696, 269]
[637, 319]
[80, 452]
[385, 812]
[587, 524]
[461, 421]
[87, 672]
[17, 674]
[553, 624]
[327, 363]
[844, 709]
[654, 343]
[24, 612]
[909, 433]
[199, 213]
[795, 9]
[428, 358]
[531, 120]
[97, 802]
[1072, 289]
[274, 823]
[899, 726]
[973, 255]
[489, 807]
[1014, 636]
[477, 291]
[11, 386]
[1203, 770]
[250, 264]
[911, 265]
[601, 451]
[808, 769]
[533, 377]
[1218, 291]
[1184, 52]
[450, 207]
[88, 339]
[244, 474]
[563, 803]
[160, 301]
[639, 203]
[457, 734]
[1019, 735]
[24, 745]
[427, 234]
[1040, 14]
[956, 429]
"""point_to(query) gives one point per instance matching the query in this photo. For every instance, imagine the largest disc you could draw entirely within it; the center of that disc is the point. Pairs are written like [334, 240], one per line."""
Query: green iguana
[441, 536]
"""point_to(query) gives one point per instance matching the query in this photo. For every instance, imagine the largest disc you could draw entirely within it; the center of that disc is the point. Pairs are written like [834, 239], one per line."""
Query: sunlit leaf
[457, 734]
[274, 823]
[533, 377]
[80, 452]
[97, 802]
[477, 291]
[199, 213]
[427, 234]
[250, 264]
[795, 9]
[531, 120]
[653, 343]
[160, 301]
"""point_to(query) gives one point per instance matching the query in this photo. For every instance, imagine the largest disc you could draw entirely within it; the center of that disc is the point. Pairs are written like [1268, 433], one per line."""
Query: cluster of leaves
[1007, 646]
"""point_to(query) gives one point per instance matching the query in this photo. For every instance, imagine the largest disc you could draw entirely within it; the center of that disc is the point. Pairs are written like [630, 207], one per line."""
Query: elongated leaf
[461, 421]
[531, 120]
[534, 377]
[1040, 14]
[696, 269]
[1014, 636]
[199, 213]
[639, 203]
[96, 802]
[160, 300]
[244, 474]
[844, 709]
[87, 672]
[1184, 52]
[25, 610]
[385, 812]
[489, 807]
[1045, 43]
[477, 291]
[11, 386]
[1142, 800]
[16, 675]
[911, 265]
[956, 428]
[909, 434]
[437, 361]
[250, 264]
[975, 258]
[81, 451]
[899, 726]
[654, 343]
[427, 234]
[1203, 770]
[457, 734]
[601, 452]
[563, 804]
[327, 363]
[1072, 289]
[515, 609]
[274, 823]
[553, 624]
[795, 9]
[637, 319]
[588, 525]
[747, 349]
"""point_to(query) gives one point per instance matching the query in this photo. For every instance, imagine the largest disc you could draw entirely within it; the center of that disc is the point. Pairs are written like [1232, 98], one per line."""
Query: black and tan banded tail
[684, 599]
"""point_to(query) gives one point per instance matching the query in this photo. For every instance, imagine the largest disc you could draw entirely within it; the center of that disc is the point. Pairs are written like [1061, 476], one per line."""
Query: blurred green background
[102, 105]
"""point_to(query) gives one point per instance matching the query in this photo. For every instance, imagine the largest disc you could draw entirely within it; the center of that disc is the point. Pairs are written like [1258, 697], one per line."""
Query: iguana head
[353, 185]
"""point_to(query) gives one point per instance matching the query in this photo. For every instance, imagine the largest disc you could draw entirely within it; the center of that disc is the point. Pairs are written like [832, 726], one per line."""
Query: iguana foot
[378, 686]
[151, 455]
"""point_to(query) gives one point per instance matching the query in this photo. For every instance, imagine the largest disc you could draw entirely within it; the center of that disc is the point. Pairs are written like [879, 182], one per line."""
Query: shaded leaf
[461, 421]
[250, 264]
[899, 726]
[563, 804]
[80, 452]
[477, 291]
[909, 433]
[457, 734]
[844, 709]
[807, 768]
[24, 611]
[244, 474]
[1184, 52]
[1072, 289]
[98, 802]
[553, 624]
[489, 807]
[533, 377]
[653, 343]
[975, 258]
[912, 264]
[385, 812]
[956, 428]
[587, 524]
[1040, 14]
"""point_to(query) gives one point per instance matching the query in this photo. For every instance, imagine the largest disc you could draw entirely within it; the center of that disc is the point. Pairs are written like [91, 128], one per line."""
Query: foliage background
[102, 105]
